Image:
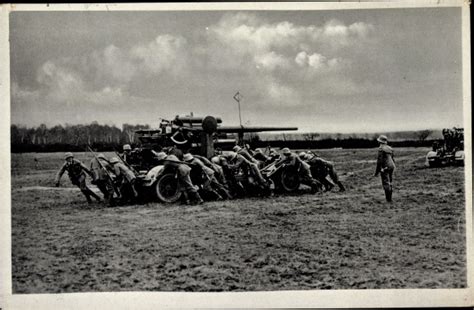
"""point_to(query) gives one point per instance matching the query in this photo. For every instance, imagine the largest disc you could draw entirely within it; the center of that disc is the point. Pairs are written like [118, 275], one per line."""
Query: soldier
[231, 181]
[127, 151]
[237, 161]
[102, 173]
[218, 171]
[304, 172]
[385, 166]
[321, 169]
[125, 177]
[245, 153]
[184, 177]
[77, 174]
[201, 172]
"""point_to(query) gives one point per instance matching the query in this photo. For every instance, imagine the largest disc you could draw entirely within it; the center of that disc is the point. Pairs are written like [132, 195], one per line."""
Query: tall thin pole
[238, 97]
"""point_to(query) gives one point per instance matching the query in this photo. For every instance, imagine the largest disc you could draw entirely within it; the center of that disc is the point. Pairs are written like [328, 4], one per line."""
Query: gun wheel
[290, 180]
[167, 189]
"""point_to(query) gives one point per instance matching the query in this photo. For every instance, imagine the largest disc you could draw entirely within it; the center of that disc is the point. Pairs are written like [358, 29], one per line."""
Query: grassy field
[350, 240]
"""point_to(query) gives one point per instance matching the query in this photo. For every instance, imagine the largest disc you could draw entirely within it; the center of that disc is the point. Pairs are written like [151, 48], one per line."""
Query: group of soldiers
[215, 178]
[110, 176]
[453, 140]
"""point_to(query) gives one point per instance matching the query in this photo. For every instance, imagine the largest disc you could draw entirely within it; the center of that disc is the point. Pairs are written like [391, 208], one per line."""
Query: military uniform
[125, 177]
[184, 178]
[240, 162]
[218, 171]
[77, 174]
[207, 177]
[303, 169]
[101, 178]
[321, 169]
[385, 166]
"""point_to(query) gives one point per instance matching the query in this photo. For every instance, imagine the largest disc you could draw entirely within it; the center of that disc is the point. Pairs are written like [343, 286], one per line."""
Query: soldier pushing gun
[77, 174]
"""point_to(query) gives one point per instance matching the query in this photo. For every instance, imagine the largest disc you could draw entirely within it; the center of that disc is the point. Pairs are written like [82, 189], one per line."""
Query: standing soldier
[385, 166]
[77, 174]
[303, 169]
[102, 178]
[125, 176]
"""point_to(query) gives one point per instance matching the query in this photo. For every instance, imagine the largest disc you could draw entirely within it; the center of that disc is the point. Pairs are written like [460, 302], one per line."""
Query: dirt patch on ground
[349, 240]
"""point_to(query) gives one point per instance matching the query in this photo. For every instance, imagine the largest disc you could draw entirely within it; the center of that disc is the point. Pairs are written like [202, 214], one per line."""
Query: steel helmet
[127, 147]
[302, 154]
[236, 148]
[114, 160]
[68, 155]
[215, 160]
[101, 156]
[286, 151]
[188, 157]
[161, 155]
[231, 155]
[382, 139]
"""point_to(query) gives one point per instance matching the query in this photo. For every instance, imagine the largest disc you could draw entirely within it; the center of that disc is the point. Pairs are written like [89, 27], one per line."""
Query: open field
[349, 240]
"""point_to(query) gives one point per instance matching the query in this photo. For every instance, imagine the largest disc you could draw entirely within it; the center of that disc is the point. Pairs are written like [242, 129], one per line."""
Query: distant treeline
[72, 137]
[75, 138]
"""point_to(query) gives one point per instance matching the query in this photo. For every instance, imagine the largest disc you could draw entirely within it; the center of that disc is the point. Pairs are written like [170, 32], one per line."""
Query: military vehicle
[450, 151]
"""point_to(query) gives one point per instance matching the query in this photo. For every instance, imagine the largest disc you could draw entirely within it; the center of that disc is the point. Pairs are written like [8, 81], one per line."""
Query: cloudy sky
[324, 71]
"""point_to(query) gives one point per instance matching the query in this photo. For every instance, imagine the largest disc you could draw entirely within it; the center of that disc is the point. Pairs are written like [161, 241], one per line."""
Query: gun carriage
[199, 136]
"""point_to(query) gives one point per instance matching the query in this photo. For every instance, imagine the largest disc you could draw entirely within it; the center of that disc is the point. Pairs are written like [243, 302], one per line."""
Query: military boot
[315, 187]
[388, 195]
[197, 198]
[184, 199]
[341, 187]
[226, 193]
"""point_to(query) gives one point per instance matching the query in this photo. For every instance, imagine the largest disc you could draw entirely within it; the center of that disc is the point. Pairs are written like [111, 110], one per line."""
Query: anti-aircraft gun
[198, 135]
[450, 151]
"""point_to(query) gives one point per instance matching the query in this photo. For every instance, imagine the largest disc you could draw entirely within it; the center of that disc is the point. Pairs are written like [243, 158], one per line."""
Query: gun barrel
[195, 119]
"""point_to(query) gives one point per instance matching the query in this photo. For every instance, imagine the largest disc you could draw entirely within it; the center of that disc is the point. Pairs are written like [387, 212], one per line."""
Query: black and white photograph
[258, 149]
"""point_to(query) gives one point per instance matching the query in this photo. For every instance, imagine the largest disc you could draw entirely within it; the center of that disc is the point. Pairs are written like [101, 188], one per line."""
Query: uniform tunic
[385, 166]
[77, 174]
[303, 169]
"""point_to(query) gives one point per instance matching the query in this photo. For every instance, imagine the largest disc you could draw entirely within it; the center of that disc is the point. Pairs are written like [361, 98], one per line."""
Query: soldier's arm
[238, 163]
[224, 163]
[60, 174]
[379, 162]
[117, 171]
[86, 169]
[291, 161]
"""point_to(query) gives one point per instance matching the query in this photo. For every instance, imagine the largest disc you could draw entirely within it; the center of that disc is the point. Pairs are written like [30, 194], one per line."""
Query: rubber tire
[167, 189]
[290, 181]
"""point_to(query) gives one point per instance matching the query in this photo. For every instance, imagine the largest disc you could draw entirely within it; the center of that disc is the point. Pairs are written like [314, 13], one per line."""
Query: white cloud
[317, 61]
[165, 53]
[271, 61]
[280, 94]
[102, 77]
